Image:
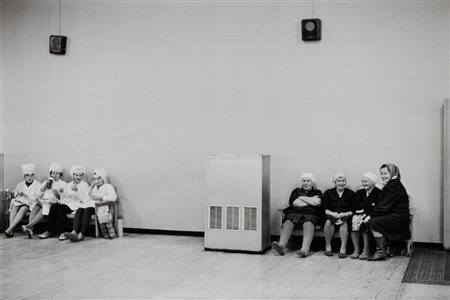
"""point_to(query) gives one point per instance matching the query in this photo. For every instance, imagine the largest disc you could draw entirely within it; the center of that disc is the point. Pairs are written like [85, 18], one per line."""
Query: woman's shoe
[302, 254]
[364, 256]
[354, 256]
[278, 248]
[342, 255]
[29, 232]
[62, 237]
[328, 253]
[44, 235]
[71, 236]
[9, 234]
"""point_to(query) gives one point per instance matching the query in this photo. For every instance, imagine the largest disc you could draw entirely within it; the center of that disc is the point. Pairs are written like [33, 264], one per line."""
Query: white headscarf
[310, 176]
[372, 177]
[338, 175]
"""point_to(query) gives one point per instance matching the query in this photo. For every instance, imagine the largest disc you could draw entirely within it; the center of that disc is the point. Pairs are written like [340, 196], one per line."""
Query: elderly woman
[365, 200]
[73, 195]
[49, 193]
[389, 219]
[304, 210]
[337, 203]
[25, 195]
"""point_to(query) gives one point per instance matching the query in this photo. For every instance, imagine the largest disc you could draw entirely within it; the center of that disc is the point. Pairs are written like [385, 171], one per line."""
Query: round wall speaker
[58, 44]
[311, 29]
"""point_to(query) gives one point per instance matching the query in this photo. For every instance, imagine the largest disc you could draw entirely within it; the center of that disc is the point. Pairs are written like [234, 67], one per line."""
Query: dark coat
[364, 202]
[390, 215]
[333, 202]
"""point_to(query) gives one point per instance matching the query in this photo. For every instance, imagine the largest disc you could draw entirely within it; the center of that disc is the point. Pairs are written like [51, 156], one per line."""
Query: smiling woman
[304, 210]
[389, 220]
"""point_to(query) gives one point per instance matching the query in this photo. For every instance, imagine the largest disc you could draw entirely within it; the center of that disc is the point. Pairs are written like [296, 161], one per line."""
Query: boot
[381, 252]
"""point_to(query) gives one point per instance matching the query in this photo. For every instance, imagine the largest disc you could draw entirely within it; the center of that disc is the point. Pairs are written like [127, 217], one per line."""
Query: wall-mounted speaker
[311, 29]
[58, 44]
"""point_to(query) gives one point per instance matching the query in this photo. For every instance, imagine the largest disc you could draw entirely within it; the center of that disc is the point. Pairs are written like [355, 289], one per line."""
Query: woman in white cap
[49, 194]
[73, 195]
[337, 203]
[365, 200]
[389, 220]
[25, 195]
[304, 210]
[99, 191]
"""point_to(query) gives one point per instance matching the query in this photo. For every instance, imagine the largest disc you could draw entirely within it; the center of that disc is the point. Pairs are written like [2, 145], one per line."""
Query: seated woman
[100, 190]
[48, 194]
[389, 219]
[337, 203]
[25, 195]
[365, 200]
[304, 210]
[74, 193]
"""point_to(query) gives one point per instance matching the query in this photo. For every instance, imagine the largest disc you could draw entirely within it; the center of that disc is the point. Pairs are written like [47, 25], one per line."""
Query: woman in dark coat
[304, 210]
[389, 219]
[337, 203]
[365, 200]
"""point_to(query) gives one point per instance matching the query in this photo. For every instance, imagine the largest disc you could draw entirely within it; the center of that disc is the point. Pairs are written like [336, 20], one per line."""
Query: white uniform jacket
[47, 198]
[75, 199]
[107, 192]
[29, 197]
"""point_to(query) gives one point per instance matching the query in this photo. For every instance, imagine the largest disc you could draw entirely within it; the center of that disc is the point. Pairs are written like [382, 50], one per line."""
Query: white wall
[148, 89]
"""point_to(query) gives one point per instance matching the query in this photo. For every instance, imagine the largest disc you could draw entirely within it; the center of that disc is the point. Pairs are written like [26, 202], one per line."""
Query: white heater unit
[447, 174]
[238, 203]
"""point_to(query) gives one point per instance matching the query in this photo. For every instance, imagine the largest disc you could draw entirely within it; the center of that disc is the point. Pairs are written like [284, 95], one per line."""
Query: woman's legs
[286, 232]
[308, 234]
[355, 235]
[380, 241]
[61, 218]
[366, 242]
[77, 220]
[285, 235]
[81, 221]
[328, 232]
[86, 219]
[16, 215]
[343, 234]
[36, 216]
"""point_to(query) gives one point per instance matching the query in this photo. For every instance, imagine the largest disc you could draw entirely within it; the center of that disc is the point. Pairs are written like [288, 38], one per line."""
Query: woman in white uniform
[74, 194]
[25, 198]
[49, 193]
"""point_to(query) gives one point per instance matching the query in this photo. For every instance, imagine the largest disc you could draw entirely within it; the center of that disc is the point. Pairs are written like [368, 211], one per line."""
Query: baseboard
[164, 232]
[238, 251]
[429, 245]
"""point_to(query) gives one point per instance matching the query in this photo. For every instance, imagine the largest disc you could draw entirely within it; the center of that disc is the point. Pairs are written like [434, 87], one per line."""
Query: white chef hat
[310, 176]
[28, 169]
[77, 169]
[54, 167]
[99, 172]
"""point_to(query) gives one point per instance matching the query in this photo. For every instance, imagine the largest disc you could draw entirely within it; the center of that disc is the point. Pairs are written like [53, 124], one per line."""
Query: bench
[113, 208]
[318, 232]
[298, 231]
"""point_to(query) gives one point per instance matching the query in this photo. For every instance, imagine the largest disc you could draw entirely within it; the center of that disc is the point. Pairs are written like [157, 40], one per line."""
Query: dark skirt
[395, 227]
[299, 218]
